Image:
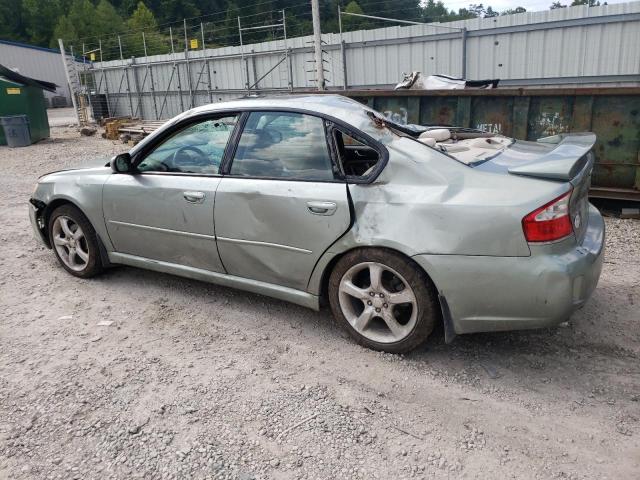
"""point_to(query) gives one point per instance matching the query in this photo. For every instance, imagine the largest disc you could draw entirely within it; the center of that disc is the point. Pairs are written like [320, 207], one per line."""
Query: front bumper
[511, 293]
[36, 218]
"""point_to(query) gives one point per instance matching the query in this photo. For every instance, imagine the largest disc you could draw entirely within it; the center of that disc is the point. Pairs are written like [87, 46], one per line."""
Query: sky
[499, 5]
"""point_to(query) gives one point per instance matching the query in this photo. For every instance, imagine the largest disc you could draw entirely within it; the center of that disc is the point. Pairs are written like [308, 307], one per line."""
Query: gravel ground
[193, 380]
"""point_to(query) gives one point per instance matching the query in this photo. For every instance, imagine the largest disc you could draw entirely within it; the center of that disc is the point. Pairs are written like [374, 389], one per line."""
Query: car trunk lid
[561, 158]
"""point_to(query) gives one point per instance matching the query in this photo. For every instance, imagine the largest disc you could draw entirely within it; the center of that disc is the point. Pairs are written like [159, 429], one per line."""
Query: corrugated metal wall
[38, 63]
[569, 46]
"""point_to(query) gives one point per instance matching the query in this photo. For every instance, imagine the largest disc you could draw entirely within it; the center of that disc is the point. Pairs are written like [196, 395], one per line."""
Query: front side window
[283, 145]
[197, 148]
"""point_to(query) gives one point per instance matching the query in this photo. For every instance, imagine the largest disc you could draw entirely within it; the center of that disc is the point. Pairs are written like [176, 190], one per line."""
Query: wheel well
[46, 215]
[324, 286]
[48, 210]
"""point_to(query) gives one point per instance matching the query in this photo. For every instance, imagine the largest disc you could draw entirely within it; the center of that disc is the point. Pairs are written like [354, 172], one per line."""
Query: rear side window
[356, 158]
[283, 145]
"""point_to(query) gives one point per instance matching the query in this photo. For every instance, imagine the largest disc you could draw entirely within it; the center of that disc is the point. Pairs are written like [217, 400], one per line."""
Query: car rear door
[280, 204]
[164, 211]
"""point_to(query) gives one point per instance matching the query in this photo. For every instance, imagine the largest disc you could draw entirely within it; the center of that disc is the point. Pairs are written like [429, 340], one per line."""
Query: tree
[39, 20]
[175, 10]
[82, 15]
[64, 29]
[143, 20]
[107, 19]
[464, 14]
[477, 10]
[556, 5]
[512, 11]
[11, 24]
[435, 11]
[490, 12]
[591, 3]
[353, 23]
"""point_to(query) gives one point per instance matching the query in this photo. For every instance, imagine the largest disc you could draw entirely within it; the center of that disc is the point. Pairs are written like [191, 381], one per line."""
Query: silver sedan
[312, 198]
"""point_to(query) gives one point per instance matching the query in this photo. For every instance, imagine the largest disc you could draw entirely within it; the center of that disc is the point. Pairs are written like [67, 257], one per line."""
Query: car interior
[357, 159]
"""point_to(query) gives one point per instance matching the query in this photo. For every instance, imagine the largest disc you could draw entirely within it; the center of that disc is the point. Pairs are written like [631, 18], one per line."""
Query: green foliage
[490, 12]
[555, 5]
[108, 19]
[353, 23]
[591, 3]
[511, 11]
[64, 29]
[82, 17]
[142, 19]
[433, 11]
[37, 19]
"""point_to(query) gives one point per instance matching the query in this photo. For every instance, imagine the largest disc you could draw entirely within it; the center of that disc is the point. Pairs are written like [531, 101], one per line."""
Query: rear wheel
[384, 299]
[74, 242]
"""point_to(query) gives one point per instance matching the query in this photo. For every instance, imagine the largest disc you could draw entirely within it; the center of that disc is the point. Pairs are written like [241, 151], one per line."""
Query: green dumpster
[20, 95]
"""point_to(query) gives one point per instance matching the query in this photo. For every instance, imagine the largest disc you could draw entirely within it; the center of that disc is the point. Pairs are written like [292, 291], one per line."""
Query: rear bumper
[512, 293]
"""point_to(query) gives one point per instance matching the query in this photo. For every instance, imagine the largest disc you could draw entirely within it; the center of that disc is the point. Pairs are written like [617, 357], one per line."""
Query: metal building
[39, 63]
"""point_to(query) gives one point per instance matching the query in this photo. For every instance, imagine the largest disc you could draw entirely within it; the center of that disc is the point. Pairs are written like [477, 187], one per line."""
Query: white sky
[499, 5]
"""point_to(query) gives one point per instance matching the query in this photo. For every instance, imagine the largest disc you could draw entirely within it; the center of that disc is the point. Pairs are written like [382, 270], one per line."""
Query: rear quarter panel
[424, 202]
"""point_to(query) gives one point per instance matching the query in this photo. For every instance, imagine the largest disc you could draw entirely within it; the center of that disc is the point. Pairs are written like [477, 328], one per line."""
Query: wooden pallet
[112, 126]
[143, 128]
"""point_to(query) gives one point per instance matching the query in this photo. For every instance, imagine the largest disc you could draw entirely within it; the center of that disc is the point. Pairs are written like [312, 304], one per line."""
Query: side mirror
[121, 163]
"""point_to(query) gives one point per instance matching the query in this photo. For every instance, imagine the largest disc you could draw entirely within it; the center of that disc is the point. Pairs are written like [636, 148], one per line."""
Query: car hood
[93, 165]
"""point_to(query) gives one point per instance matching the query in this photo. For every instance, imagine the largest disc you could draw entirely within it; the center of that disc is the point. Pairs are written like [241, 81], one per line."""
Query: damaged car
[318, 198]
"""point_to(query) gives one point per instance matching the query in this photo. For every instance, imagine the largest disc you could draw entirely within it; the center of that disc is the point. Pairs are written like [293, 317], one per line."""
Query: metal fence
[571, 46]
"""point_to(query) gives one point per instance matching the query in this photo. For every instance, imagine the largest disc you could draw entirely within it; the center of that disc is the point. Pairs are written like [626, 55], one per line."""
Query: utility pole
[317, 44]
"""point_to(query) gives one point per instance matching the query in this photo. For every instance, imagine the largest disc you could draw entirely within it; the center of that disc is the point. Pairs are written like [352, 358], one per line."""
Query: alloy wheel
[378, 302]
[70, 243]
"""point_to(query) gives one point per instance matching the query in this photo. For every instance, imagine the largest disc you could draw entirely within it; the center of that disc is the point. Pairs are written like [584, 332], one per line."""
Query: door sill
[263, 288]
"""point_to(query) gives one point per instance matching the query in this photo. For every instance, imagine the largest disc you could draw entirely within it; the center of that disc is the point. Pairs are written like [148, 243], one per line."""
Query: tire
[403, 293]
[74, 242]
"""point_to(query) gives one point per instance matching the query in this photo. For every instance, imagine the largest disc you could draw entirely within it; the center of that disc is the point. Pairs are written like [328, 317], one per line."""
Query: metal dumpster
[613, 114]
[20, 95]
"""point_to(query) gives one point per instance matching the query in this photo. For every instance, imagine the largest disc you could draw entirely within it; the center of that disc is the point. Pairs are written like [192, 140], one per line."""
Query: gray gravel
[192, 380]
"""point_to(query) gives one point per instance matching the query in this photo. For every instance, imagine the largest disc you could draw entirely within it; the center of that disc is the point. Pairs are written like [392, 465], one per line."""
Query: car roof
[335, 106]
[326, 104]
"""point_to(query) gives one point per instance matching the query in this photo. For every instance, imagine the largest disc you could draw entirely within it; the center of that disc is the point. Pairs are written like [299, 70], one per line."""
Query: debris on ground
[88, 131]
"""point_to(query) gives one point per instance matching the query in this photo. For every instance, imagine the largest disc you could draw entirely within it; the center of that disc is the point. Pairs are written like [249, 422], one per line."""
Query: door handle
[194, 197]
[322, 208]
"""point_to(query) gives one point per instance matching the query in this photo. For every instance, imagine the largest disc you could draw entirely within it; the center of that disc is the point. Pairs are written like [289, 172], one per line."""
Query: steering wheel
[200, 160]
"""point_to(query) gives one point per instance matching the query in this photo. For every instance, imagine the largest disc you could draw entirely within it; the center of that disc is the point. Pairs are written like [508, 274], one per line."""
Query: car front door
[279, 205]
[164, 211]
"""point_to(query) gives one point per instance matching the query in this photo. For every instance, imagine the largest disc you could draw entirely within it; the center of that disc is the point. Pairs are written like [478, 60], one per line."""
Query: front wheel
[74, 242]
[384, 299]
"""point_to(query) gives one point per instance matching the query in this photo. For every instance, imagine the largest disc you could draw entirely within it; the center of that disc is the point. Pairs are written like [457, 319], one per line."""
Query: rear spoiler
[564, 162]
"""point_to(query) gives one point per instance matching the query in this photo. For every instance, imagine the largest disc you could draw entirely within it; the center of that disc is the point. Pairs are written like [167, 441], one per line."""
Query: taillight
[549, 222]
